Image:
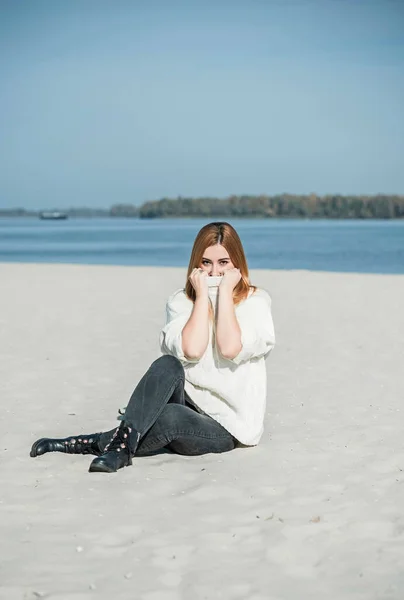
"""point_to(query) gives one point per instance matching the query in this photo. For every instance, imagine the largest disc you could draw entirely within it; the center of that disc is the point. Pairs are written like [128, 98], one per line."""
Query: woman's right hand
[199, 281]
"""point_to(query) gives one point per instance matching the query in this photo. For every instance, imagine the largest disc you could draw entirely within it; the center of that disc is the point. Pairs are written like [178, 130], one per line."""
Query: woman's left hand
[231, 277]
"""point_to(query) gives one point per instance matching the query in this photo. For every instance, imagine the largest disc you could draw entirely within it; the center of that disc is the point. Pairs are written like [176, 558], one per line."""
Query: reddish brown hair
[224, 234]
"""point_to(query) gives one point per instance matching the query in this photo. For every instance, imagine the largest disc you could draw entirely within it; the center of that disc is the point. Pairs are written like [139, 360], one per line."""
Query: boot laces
[119, 440]
[79, 444]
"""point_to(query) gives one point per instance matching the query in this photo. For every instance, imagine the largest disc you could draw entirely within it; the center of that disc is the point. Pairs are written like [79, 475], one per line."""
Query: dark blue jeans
[161, 411]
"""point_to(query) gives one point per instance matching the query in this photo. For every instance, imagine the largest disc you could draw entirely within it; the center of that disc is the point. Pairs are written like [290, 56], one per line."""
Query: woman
[207, 393]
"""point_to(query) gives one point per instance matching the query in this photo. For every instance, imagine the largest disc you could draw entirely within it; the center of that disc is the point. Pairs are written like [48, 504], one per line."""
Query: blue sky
[105, 102]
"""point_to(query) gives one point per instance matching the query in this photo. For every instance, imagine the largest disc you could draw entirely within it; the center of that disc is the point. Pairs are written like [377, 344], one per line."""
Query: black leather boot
[118, 452]
[82, 444]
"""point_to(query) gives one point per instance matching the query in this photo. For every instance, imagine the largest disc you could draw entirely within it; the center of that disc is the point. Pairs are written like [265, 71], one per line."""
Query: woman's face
[216, 260]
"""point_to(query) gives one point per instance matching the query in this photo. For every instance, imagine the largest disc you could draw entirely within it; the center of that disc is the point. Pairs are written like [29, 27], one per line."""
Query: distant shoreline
[283, 206]
[212, 217]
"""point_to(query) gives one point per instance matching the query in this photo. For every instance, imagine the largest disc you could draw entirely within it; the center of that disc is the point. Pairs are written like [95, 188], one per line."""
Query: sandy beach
[314, 511]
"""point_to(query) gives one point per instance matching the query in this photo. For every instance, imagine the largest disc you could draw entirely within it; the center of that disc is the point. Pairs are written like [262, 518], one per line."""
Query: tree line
[279, 206]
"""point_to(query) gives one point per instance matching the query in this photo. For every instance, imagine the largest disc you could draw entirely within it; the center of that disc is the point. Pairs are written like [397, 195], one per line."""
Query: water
[325, 245]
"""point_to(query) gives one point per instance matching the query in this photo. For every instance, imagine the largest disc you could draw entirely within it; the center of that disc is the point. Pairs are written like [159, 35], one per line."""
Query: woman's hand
[231, 277]
[199, 281]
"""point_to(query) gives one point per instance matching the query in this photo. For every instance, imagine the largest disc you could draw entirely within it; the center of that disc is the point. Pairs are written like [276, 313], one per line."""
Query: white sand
[315, 511]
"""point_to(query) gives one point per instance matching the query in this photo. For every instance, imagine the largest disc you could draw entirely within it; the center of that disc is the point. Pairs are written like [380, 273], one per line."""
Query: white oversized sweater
[231, 391]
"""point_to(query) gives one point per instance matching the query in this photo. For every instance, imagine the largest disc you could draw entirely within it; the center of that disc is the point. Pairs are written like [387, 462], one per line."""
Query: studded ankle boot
[82, 444]
[118, 452]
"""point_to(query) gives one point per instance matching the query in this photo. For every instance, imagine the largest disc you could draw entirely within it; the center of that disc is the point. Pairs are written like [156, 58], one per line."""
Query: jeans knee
[169, 363]
[166, 424]
[170, 416]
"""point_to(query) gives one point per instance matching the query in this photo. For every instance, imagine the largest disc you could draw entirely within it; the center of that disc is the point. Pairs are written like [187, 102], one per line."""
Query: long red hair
[224, 234]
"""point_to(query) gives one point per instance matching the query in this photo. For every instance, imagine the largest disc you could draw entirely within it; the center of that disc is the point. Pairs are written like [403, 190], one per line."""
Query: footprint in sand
[114, 543]
[161, 595]
[171, 558]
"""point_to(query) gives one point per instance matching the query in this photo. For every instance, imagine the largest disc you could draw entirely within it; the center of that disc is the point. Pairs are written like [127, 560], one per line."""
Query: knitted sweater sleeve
[257, 329]
[178, 311]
